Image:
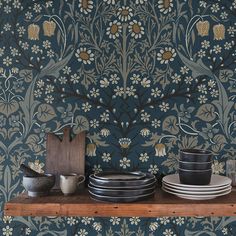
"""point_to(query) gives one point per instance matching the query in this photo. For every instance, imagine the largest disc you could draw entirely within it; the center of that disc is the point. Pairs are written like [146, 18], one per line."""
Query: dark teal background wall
[145, 78]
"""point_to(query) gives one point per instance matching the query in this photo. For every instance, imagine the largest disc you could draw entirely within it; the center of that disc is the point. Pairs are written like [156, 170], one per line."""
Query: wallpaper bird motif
[144, 78]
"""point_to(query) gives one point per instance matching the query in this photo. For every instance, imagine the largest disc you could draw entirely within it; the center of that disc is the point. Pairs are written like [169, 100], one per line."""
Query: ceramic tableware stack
[121, 186]
[219, 186]
[195, 180]
[195, 166]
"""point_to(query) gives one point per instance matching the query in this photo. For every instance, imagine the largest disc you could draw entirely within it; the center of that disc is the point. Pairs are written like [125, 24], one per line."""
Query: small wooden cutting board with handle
[66, 155]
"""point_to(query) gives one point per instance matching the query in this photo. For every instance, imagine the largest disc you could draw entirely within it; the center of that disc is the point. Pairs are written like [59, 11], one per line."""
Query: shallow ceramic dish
[195, 155]
[195, 165]
[122, 183]
[216, 181]
[121, 199]
[39, 186]
[196, 188]
[196, 177]
[141, 186]
[120, 175]
[120, 193]
[210, 191]
[198, 197]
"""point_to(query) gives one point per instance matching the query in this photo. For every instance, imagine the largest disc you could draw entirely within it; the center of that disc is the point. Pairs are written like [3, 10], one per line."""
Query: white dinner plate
[200, 189]
[197, 197]
[216, 181]
[197, 192]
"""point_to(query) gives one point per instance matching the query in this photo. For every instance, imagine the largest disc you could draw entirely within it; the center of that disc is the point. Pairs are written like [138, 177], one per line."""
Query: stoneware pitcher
[70, 182]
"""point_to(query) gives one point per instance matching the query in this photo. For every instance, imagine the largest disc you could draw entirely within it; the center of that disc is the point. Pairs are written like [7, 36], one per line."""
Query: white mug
[69, 182]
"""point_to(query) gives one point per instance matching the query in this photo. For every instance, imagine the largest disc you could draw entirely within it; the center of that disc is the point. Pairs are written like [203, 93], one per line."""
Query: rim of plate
[227, 181]
[121, 197]
[197, 196]
[198, 192]
[196, 189]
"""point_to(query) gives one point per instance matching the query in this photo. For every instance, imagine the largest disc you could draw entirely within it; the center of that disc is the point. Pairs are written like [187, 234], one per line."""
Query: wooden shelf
[162, 204]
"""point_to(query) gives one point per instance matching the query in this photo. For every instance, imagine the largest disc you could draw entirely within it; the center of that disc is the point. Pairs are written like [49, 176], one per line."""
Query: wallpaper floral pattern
[144, 78]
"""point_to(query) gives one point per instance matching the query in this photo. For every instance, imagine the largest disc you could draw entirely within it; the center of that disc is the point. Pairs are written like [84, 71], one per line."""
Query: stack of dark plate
[121, 186]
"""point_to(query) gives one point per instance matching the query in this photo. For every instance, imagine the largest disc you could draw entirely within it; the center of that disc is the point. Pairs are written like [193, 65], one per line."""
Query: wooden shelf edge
[163, 204]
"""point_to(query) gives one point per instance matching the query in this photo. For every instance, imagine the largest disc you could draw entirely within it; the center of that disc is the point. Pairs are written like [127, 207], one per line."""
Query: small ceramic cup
[69, 182]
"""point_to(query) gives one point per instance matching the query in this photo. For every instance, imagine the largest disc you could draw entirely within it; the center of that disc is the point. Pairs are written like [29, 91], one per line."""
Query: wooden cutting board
[66, 155]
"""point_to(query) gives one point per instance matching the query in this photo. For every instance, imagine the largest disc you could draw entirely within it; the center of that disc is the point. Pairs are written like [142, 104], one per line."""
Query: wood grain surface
[162, 204]
[66, 155]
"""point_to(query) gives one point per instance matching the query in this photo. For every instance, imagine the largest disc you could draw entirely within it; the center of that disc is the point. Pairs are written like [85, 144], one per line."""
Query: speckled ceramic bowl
[39, 186]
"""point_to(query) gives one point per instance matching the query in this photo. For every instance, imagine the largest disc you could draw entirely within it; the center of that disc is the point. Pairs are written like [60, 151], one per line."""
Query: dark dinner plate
[113, 176]
[122, 183]
[142, 186]
[121, 199]
[120, 193]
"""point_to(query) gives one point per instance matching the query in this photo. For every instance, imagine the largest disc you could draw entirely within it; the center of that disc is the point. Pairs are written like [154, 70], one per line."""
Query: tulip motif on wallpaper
[203, 28]
[48, 30]
[219, 32]
[33, 32]
[91, 150]
[160, 150]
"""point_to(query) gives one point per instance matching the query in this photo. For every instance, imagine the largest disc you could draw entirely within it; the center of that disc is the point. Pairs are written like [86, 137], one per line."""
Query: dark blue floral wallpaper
[143, 77]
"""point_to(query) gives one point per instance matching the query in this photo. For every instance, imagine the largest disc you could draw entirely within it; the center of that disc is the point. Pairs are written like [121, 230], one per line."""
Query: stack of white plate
[219, 186]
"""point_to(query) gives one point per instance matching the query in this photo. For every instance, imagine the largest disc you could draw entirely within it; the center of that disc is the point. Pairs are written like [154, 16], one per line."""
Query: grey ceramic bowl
[196, 177]
[195, 165]
[195, 155]
[39, 186]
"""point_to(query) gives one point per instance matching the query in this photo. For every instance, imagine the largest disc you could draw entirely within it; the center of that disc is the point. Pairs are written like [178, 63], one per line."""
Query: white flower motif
[136, 29]
[114, 29]
[164, 106]
[146, 83]
[7, 231]
[166, 55]
[124, 163]
[113, 2]
[97, 169]
[169, 232]
[143, 157]
[84, 55]
[135, 79]
[71, 221]
[125, 13]
[145, 117]
[153, 169]
[104, 83]
[85, 6]
[140, 1]
[218, 167]
[134, 220]
[115, 220]
[165, 6]
[86, 107]
[106, 157]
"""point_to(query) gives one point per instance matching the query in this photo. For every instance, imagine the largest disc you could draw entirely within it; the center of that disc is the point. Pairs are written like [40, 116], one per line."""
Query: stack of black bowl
[195, 166]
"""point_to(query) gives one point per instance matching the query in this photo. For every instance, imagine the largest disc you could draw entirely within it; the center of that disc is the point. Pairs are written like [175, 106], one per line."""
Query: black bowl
[195, 155]
[195, 165]
[202, 177]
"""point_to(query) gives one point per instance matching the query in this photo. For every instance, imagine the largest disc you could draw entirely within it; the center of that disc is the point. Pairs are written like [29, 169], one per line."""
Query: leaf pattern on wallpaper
[142, 78]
